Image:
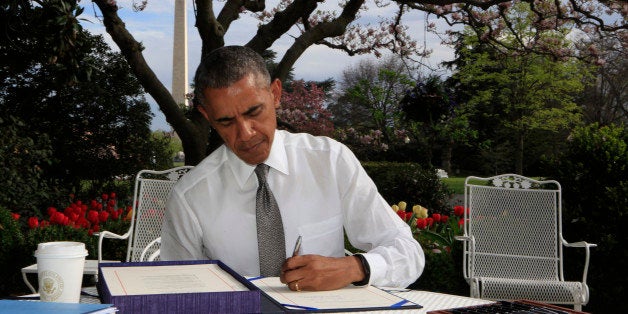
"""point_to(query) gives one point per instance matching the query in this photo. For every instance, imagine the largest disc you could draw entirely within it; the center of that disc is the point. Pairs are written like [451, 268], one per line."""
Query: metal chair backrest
[152, 189]
[515, 224]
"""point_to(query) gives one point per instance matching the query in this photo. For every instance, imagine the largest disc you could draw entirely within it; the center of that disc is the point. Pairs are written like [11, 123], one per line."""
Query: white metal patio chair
[151, 192]
[513, 244]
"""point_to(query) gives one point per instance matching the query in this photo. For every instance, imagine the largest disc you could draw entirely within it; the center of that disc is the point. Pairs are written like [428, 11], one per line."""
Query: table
[90, 268]
[430, 301]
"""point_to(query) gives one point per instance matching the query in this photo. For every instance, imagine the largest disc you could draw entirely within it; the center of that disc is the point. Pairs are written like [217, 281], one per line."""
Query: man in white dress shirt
[319, 185]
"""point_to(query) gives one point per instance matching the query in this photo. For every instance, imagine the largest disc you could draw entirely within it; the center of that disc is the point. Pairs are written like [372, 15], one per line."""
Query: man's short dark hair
[226, 65]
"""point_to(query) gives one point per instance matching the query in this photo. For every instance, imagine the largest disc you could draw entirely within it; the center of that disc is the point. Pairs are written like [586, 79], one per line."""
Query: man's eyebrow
[249, 111]
[252, 109]
[224, 119]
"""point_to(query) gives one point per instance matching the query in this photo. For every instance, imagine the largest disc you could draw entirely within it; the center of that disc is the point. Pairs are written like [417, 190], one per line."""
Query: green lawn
[455, 183]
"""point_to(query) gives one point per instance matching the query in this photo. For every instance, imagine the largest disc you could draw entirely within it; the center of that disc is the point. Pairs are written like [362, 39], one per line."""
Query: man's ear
[275, 89]
[203, 112]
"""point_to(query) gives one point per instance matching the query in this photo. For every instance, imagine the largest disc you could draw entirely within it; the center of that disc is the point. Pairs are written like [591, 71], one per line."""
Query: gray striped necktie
[270, 237]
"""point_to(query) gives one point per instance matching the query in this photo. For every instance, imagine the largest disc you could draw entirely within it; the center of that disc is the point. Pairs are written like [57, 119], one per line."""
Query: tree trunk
[447, 153]
[519, 155]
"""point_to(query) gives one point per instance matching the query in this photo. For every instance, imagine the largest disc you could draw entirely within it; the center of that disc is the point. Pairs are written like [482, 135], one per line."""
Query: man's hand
[315, 272]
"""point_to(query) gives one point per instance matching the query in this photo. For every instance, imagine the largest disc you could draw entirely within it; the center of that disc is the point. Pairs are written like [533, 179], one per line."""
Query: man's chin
[253, 160]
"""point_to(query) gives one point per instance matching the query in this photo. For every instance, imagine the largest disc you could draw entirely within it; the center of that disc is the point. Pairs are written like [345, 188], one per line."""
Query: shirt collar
[277, 159]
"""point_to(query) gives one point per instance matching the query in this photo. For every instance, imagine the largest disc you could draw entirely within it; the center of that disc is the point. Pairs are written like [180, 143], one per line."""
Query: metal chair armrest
[154, 254]
[579, 244]
[586, 246]
[109, 235]
[462, 238]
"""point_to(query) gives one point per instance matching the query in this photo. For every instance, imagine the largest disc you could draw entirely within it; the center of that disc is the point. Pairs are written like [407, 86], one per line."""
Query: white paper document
[350, 297]
[165, 279]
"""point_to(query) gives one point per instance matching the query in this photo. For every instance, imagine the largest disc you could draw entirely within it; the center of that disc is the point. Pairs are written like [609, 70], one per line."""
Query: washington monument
[180, 53]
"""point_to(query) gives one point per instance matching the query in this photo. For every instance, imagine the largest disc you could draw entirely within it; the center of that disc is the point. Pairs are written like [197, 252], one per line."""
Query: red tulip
[103, 216]
[92, 216]
[112, 195]
[15, 216]
[68, 211]
[461, 222]
[55, 217]
[421, 223]
[44, 224]
[458, 210]
[401, 215]
[430, 221]
[83, 222]
[93, 204]
[444, 218]
[60, 219]
[436, 217]
[408, 215]
[51, 211]
[105, 197]
[33, 222]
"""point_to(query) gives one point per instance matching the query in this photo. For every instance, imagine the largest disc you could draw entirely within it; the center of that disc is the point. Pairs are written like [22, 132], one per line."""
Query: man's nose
[245, 130]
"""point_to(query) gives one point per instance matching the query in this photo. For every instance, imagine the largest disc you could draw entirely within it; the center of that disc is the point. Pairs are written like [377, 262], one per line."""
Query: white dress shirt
[320, 188]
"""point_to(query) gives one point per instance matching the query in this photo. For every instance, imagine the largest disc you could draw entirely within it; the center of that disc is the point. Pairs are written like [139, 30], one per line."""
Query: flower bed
[443, 254]
[77, 221]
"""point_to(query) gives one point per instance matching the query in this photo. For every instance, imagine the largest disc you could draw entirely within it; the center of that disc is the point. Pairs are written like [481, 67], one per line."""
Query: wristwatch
[367, 271]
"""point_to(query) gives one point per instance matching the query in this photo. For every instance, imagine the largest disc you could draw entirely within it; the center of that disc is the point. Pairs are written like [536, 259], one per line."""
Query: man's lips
[250, 147]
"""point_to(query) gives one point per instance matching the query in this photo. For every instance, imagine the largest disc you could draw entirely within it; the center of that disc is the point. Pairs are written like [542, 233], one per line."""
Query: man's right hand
[317, 273]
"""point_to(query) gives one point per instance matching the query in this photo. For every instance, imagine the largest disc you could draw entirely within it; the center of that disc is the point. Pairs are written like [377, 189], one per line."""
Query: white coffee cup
[60, 270]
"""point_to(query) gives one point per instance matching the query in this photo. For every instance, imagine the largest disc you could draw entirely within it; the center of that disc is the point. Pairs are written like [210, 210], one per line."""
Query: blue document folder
[32, 307]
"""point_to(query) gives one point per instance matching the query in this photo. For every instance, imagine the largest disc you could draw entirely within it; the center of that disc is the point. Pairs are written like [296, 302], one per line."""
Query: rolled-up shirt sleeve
[394, 256]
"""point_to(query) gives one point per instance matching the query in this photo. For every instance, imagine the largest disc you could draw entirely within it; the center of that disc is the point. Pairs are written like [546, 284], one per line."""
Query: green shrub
[594, 176]
[23, 155]
[11, 252]
[409, 181]
[443, 272]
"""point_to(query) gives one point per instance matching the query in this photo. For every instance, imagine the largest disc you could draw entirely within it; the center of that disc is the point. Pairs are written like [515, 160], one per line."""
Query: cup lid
[61, 248]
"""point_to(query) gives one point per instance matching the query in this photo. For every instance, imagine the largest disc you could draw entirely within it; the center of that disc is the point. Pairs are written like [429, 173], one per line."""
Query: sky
[153, 27]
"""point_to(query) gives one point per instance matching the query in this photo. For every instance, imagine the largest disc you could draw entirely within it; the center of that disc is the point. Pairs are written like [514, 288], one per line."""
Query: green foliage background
[410, 182]
[22, 158]
[593, 172]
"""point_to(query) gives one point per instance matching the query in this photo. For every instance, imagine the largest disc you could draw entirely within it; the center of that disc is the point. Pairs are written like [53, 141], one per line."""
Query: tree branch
[281, 23]
[317, 33]
[209, 29]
